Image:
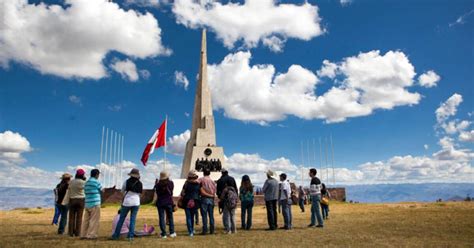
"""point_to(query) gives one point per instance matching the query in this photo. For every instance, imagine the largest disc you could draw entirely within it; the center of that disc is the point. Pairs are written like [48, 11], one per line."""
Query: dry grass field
[350, 225]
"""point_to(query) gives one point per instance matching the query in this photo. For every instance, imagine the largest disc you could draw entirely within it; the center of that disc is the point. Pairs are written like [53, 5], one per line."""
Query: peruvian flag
[158, 139]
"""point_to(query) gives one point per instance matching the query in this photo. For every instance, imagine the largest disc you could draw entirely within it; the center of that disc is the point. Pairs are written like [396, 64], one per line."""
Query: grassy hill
[355, 225]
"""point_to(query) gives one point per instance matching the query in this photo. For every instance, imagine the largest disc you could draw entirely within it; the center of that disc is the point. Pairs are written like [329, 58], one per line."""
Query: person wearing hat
[132, 189]
[76, 203]
[164, 203]
[61, 190]
[285, 202]
[270, 191]
[191, 199]
[246, 200]
[92, 190]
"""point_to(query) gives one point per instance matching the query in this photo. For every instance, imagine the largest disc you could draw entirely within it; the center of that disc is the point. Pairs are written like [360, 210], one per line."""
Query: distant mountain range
[427, 192]
[11, 198]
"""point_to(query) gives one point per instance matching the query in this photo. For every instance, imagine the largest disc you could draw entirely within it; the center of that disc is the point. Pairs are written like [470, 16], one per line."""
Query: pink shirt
[125, 225]
[208, 184]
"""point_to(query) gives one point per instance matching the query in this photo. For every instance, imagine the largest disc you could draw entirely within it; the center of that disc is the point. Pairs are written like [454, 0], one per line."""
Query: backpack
[231, 198]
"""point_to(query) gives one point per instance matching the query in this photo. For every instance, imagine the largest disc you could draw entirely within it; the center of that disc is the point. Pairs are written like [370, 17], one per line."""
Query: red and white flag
[157, 140]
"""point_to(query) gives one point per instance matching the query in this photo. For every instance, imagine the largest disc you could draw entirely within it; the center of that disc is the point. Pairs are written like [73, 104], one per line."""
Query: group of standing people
[198, 194]
[73, 198]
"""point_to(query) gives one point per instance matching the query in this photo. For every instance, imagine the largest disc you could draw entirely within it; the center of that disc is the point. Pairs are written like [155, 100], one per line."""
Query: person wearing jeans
[315, 193]
[61, 189]
[131, 203]
[191, 200]
[208, 192]
[270, 191]
[164, 203]
[246, 200]
[285, 191]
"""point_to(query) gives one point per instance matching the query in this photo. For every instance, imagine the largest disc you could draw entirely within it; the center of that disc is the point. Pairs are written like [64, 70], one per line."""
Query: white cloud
[12, 145]
[448, 108]
[181, 79]
[461, 19]
[429, 79]
[177, 144]
[73, 41]
[31, 177]
[126, 68]
[467, 136]
[256, 93]
[143, 3]
[252, 22]
[345, 2]
[455, 126]
[75, 99]
[426, 146]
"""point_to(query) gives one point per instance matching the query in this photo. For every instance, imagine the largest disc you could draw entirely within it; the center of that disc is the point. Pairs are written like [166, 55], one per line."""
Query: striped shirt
[92, 190]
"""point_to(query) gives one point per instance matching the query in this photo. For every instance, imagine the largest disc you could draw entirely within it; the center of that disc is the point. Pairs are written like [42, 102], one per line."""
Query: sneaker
[191, 235]
[173, 235]
[163, 236]
[311, 225]
[320, 226]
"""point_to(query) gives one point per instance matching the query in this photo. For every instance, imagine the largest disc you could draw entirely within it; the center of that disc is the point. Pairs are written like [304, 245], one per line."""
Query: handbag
[66, 198]
[180, 202]
[175, 208]
[325, 201]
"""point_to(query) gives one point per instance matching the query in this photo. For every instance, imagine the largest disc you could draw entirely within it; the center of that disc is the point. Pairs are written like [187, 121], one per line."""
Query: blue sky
[39, 104]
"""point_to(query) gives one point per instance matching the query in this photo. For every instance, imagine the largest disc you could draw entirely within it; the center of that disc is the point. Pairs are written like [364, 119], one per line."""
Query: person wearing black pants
[270, 190]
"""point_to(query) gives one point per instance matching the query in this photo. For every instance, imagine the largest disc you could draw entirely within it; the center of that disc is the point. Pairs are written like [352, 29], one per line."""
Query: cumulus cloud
[75, 99]
[362, 84]
[467, 136]
[181, 80]
[73, 41]
[177, 144]
[252, 22]
[429, 79]
[455, 126]
[448, 108]
[12, 145]
[126, 68]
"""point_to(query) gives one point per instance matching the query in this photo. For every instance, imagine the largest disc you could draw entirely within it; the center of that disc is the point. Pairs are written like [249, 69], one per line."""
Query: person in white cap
[270, 191]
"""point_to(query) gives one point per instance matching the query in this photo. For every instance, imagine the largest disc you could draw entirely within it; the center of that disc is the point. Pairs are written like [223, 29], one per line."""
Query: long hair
[247, 185]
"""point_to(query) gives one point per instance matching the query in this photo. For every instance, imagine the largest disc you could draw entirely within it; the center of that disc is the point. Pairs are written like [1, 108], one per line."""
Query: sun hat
[66, 176]
[270, 173]
[134, 173]
[192, 174]
[164, 175]
[80, 172]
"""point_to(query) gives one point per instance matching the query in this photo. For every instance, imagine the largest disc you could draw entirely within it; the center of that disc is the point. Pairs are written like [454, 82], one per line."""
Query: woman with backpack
[246, 202]
[325, 196]
[229, 198]
[130, 203]
[190, 200]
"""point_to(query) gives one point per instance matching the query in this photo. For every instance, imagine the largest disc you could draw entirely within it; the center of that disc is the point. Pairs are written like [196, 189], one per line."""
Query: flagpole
[121, 164]
[101, 144]
[105, 157]
[166, 127]
[332, 158]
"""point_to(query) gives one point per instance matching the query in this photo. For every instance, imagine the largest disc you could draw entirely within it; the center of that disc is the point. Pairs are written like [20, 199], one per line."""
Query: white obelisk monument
[201, 149]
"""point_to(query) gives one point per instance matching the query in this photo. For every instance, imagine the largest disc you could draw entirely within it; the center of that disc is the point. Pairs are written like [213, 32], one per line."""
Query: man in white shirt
[285, 202]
